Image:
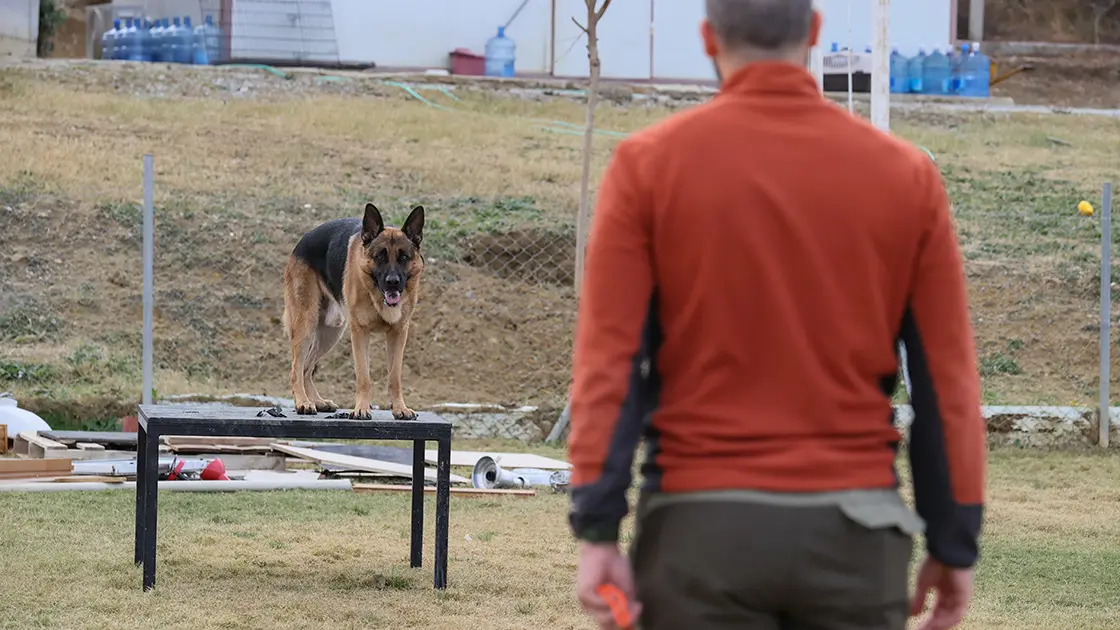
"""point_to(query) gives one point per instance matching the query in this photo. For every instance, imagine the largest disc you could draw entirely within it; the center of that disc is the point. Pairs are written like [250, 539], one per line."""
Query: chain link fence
[1034, 264]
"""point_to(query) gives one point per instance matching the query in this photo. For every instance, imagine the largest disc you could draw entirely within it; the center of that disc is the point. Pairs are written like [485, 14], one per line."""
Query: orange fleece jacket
[752, 265]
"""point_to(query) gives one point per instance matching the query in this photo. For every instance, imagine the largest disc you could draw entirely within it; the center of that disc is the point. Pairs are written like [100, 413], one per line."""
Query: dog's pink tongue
[392, 298]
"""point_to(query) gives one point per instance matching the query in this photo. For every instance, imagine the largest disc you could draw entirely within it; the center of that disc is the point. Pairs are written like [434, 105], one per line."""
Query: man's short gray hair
[761, 24]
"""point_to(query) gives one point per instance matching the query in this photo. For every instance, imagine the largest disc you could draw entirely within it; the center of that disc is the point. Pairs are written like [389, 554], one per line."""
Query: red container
[465, 62]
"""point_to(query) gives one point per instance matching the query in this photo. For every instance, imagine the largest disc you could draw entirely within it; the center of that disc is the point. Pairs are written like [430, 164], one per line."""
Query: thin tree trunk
[583, 219]
[1099, 13]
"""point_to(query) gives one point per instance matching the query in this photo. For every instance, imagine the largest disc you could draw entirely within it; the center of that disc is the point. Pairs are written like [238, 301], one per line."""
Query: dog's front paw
[305, 409]
[400, 412]
[361, 413]
[326, 406]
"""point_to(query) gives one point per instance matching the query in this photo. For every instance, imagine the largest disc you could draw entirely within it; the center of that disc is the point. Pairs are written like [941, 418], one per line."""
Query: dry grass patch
[246, 161]
[296, 559]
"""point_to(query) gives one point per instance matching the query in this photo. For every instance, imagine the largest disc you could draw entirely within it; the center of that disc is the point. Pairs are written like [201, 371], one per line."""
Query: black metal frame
[156, 420]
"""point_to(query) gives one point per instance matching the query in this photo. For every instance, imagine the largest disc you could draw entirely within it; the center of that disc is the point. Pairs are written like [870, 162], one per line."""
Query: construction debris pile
[46, 460]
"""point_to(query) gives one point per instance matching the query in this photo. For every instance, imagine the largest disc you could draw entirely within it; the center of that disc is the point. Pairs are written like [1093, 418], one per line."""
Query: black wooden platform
[157, 420]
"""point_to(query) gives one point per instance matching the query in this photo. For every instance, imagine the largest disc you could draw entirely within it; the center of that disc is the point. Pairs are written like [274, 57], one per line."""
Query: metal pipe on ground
[184, 486]
[488, 475]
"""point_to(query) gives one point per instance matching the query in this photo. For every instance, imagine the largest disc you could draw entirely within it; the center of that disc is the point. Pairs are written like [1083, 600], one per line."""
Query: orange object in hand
[620, 608]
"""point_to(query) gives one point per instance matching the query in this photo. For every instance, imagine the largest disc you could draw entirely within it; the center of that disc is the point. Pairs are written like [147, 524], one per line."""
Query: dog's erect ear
[372, 224]
[414, 226]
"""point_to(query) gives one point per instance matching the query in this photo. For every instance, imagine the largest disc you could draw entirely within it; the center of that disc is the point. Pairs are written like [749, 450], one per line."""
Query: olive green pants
[718, 563]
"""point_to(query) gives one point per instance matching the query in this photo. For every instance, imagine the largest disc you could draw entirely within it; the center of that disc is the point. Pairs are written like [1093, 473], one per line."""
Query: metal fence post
[148, 297]
[1105, 417]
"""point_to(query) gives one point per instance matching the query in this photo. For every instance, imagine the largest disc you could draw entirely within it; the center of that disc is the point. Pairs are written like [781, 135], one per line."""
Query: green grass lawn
[299, 559]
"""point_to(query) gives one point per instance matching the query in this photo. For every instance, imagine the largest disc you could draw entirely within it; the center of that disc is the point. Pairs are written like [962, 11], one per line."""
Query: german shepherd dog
[358, 271]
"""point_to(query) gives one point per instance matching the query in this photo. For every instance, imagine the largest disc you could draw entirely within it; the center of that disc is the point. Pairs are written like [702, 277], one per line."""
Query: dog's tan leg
[395, 338]
[332, 323]
[363, 388]
[301, 312]
[326, 338]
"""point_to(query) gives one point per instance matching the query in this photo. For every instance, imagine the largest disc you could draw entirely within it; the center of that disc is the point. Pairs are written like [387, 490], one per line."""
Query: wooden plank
[89, 446]
[247, 461]
[3, 439]
[175, 440]
[37, 445]
[45, 475]
[20, 447]
[470, 492]
[505, 460]
[74, 454]
[358, 463]
[393, 454]
[55, 466]
[220, 448]
[80, 478]
[106, 438]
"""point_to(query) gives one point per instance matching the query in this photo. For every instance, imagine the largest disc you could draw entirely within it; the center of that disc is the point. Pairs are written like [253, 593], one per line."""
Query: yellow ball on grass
[1085, 208]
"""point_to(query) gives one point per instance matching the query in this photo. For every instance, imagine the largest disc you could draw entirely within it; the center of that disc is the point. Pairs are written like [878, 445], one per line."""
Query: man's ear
[815, 28]
[372, 224]
[413, 226]
[708, 36]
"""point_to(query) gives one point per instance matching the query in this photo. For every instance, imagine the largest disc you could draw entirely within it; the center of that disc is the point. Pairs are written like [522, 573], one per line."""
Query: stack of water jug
[952, 73]
[163, 40]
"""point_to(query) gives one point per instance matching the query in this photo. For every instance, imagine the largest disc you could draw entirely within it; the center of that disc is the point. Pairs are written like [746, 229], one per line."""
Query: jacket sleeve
[948, 437]
[613, 388]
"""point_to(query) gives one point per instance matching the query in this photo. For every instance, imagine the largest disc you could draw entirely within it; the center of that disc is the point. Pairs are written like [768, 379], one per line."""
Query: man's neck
[728, 65]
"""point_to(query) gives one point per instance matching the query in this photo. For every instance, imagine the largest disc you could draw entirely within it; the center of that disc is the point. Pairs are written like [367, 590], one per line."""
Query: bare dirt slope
[247, 161]
[1062, 80]
[1064, 21]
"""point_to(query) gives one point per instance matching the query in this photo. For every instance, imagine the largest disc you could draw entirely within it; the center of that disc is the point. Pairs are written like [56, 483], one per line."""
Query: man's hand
[603, 563]
[954, 593]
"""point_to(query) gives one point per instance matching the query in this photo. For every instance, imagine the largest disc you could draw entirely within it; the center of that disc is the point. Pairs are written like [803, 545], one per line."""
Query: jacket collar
[771, 77]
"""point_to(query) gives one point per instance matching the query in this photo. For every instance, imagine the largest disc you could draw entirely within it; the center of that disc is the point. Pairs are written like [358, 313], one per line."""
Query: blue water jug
[200, 54]
[143, 39]
[957, 86]
[136, 39]
[499, 55]
[109, 41]
[976, 73]
[937, 74]
[213, 40]
[914, 71]
[125, 40]
[900, 80]
[186, 41]
[168, 44]
[167, 51]
[175, 42]
[155, 41]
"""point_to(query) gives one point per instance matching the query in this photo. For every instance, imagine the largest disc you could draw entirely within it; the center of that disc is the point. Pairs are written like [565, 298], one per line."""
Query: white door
[678, 50]
[292, 30]
[624, 40]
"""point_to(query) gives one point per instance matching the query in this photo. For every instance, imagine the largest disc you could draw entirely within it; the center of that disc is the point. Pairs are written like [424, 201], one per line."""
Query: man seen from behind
[753, 264]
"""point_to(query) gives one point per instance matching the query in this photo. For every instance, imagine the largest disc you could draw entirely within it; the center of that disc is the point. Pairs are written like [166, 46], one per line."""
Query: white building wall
[421, 33]
[624, 39]
[638, 39]
[914, 24]
[678, 52]
[19, 27]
